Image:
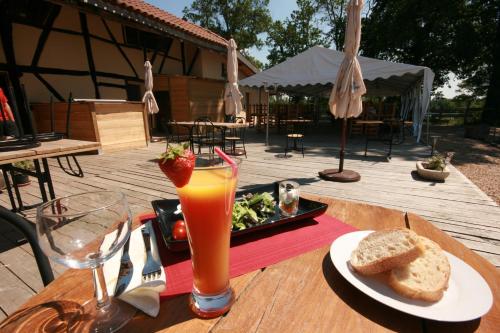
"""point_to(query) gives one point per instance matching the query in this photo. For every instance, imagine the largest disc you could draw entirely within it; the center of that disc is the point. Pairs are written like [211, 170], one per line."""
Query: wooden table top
[296, 120]
[302, 294]
[369, 122]
[218, 124]
[49, 149]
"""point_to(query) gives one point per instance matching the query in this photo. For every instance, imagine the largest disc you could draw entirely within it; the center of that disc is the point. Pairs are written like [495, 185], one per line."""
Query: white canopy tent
[314, 71]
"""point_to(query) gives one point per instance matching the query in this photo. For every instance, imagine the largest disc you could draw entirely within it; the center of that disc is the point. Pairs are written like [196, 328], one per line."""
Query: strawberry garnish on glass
[177, 163]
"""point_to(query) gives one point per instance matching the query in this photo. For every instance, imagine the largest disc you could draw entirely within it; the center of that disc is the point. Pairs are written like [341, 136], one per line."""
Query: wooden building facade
[96, 49]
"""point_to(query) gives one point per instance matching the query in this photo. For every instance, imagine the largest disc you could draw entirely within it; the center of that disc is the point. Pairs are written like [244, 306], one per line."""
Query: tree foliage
[256, 62]
[295, 34]
[242, 20]
[446, 36]
[334, 15]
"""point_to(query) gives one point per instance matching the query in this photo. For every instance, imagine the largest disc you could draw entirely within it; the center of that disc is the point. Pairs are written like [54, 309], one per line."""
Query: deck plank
[457, 206]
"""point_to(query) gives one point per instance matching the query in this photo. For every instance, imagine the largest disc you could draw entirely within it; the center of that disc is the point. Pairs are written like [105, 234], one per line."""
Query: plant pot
[20, 179]
[432, 174]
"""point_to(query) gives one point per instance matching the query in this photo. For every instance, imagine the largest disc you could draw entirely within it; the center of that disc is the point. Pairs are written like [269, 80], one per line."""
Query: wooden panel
[161, 82]
[179, 98]
[81, 125]
[206, 98]
[457, 206]
[120, 125]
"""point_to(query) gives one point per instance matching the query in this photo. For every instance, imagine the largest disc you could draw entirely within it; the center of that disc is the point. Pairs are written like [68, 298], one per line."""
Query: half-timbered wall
[91, 57]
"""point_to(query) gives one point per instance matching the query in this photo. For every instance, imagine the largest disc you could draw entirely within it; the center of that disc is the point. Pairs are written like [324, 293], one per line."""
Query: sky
[280, 9]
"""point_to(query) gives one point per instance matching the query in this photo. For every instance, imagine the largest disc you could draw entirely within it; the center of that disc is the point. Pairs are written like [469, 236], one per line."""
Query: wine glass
[83, 231]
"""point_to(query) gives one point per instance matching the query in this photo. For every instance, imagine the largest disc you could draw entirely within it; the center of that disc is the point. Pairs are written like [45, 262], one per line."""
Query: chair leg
[28, 231]
[72, 172]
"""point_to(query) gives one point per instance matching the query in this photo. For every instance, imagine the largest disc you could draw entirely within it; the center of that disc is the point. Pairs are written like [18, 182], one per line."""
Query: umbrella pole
[341, 175]
[342, 145]
[267, 126]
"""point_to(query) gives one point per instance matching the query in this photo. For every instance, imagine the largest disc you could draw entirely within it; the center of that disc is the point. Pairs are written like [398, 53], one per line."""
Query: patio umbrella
[345, 99]
[149, 98]
[232, 95]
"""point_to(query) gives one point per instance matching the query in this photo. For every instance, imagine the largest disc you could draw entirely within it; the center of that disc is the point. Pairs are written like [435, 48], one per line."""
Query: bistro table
[42, 173]
[376, 123]
[221, 125]
[301, 294]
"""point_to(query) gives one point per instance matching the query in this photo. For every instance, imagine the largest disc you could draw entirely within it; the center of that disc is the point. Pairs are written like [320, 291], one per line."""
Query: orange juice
[207, 203]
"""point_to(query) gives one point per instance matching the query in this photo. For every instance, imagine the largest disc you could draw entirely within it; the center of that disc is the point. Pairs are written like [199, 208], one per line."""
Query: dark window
[143, 39]
[223, 70]
[133, 92]
[27, 11]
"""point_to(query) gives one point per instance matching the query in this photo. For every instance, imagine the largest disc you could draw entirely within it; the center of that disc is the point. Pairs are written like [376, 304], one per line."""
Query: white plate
[468, 296]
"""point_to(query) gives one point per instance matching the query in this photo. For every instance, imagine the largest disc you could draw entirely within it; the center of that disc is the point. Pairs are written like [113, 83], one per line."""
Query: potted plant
[19, 178]
[435, 168]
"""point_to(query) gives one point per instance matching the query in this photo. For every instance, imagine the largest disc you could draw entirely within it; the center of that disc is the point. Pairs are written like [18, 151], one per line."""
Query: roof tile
[172, 20]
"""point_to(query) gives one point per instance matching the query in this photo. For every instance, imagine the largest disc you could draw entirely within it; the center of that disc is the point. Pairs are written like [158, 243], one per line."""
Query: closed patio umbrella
[345, 99]
[149, 98]
[232, 94]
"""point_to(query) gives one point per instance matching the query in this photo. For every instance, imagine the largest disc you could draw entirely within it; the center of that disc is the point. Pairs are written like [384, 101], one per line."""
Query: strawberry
[177, 163]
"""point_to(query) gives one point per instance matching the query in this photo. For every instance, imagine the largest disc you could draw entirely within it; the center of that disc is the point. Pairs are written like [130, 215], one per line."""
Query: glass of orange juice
[207, 204]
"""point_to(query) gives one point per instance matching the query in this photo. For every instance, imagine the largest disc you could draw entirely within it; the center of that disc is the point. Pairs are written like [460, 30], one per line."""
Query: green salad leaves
[253, 209]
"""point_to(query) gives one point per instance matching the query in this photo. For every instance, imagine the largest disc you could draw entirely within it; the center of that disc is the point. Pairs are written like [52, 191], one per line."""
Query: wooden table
[42, 173]
[221, 125]
[216, 124]
[302, 294]
[376, 123]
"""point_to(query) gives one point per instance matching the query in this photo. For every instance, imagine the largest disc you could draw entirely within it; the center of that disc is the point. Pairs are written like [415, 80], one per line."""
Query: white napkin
[140, 294]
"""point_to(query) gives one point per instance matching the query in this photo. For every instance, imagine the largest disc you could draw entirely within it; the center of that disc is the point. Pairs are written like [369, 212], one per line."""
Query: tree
[446, 36]
[334, 14]
[295, 34]
[456, 36]
[256, 62]
[242, 20]
[491, 111]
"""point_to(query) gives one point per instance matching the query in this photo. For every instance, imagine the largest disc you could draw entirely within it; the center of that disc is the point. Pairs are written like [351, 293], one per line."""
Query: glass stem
[100, 291]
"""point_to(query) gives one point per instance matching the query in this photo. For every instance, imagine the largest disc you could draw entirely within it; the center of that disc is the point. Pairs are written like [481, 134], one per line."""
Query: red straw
[228, 160]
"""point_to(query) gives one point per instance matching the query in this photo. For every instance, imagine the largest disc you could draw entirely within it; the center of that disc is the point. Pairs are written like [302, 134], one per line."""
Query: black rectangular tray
[166, 215]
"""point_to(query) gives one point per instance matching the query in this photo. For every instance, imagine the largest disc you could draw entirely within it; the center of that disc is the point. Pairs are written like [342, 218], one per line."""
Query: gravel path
[477, 160]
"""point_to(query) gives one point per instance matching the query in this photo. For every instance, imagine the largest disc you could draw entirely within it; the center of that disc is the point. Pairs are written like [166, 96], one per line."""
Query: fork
[152, 268]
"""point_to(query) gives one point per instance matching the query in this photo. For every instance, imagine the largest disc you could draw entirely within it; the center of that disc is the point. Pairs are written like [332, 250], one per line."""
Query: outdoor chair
[175, 133]
[236, 138]
[205, 134]
[295, 137]
[28, 230]
[71, 168]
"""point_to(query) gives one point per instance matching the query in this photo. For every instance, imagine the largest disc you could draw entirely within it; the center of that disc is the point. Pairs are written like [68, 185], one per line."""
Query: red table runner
[254, 251]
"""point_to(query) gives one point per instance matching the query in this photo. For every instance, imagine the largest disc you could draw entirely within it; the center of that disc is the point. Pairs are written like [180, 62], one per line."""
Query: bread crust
[428, 295]
[391, 261]
[386, 264]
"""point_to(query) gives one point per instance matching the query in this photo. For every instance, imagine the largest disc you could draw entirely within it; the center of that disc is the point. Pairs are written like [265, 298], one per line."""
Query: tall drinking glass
[207, 204]
[83, 231]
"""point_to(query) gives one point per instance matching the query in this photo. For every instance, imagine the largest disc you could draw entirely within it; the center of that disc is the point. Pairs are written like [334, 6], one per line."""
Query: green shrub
[438, 161]
[26, 165]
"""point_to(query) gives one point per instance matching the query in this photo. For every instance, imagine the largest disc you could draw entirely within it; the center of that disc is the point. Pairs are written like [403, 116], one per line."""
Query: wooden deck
[456, 206]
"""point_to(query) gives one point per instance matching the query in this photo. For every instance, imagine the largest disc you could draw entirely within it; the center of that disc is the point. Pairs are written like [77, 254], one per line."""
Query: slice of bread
[384, 250]
[425, 278]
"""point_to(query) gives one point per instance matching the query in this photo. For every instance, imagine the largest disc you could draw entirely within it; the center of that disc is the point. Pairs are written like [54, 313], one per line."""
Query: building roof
[169, 19]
